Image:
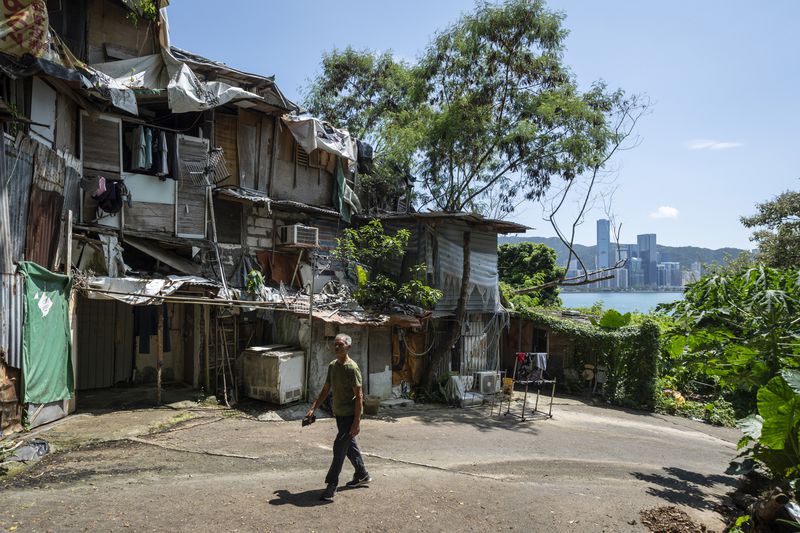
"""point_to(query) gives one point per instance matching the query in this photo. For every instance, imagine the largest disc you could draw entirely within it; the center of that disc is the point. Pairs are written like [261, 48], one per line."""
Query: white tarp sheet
[185, 91]
[313, 134]
[140, 291]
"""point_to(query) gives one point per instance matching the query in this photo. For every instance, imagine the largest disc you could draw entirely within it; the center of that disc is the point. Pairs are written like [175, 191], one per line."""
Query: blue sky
[723, 76]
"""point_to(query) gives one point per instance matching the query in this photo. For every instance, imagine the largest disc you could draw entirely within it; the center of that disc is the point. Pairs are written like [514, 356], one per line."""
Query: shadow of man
[308, 498]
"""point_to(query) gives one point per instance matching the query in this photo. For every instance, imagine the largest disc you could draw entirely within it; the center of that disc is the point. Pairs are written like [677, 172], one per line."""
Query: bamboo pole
[206, 342]
[159, 353]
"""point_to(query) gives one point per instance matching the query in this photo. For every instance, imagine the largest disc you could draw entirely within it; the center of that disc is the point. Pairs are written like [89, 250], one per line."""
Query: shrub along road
[434, 469]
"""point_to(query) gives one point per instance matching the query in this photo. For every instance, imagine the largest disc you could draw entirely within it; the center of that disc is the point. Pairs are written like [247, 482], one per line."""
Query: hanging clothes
[160, 154]
[172, 159]
[136, 144]
[148, 148]
[344, 198]
[145, 325]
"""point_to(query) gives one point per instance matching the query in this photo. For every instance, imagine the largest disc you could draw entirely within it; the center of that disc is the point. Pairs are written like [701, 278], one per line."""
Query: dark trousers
[345, 445]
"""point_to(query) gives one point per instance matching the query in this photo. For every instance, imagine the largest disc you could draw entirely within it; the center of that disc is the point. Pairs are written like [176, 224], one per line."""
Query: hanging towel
[101, 186]
[541, 360]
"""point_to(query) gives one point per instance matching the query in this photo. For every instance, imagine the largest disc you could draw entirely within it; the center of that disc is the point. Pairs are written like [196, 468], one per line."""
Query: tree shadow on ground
[307, 498]
[484, 418]
[685, 487]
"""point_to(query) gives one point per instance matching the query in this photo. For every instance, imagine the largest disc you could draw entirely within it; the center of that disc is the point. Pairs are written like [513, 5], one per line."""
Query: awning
[165, 256]
[367, 319]
[313, 134]
[27, 47]
[163, 72]
[142, 291]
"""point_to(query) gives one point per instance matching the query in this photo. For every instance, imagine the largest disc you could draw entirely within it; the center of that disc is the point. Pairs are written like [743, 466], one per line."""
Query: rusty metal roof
[473, 219]
[260, 198]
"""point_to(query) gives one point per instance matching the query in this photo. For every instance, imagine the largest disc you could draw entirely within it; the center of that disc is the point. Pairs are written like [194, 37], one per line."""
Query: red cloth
[520, 357]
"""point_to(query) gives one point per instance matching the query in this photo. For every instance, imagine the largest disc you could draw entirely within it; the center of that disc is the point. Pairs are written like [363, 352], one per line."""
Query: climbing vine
[630, 353]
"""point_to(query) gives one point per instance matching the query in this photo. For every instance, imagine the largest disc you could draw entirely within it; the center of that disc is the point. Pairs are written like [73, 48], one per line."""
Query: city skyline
[633, 266]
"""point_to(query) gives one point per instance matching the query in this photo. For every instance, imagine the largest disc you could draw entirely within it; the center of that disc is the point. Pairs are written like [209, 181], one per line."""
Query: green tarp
[46, 347]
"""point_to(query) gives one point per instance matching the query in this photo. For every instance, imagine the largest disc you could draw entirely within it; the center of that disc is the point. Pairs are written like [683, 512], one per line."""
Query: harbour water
[624, 302]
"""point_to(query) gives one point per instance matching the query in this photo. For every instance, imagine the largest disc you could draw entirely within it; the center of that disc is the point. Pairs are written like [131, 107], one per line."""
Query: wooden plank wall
[225, 136]
[101, 146]
[150, 216]
[108, 23]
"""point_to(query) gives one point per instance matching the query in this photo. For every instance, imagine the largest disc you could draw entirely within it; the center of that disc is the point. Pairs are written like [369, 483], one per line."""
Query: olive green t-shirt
[343, 378]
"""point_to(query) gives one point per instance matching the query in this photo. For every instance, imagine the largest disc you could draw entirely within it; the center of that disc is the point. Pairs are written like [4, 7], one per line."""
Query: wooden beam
[159, 352]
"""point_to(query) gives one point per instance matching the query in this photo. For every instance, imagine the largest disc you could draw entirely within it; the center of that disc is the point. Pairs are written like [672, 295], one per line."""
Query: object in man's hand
[309, 420]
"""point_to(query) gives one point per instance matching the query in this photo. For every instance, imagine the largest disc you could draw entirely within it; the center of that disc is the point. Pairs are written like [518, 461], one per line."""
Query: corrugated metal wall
[448, 259]
[105, 343]
[11, 314]
[16, 180]
[480, 344]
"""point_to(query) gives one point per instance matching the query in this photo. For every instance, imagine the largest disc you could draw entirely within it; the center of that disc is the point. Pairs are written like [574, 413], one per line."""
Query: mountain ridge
[685, 255]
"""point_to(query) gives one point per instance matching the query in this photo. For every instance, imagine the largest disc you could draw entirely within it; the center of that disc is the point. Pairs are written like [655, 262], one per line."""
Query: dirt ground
[434, 469]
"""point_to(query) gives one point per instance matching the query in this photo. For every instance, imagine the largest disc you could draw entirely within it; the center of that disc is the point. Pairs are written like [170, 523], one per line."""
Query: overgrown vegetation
[629, 351]
[370, 250]
[528, 265]
[143, 10]
[740, 329]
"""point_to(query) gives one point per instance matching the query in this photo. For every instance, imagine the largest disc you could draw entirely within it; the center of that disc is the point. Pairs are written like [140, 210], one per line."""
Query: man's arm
[319, 399]
[356, 427]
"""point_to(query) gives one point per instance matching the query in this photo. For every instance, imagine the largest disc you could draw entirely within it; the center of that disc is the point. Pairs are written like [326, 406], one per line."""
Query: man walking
[344, 379]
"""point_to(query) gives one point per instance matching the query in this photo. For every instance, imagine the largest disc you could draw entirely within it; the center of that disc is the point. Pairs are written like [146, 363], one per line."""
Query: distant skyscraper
[604, 258]
[649, 255]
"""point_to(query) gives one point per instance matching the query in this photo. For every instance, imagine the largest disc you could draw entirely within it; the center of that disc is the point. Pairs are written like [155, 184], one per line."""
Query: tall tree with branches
[489, 115]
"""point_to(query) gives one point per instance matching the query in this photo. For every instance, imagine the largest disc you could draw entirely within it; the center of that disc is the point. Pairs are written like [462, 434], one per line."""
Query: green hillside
[685, 255]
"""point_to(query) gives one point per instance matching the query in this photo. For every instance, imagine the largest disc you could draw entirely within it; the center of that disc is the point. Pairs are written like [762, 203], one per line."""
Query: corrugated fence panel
[72, 183]
[17, 179]
[46, 206]
[12, 311]
[483, 268]
[96, 343]
[329, 230]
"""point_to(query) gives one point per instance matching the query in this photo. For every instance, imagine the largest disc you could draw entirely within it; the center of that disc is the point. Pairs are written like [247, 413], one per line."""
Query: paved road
[587, 469]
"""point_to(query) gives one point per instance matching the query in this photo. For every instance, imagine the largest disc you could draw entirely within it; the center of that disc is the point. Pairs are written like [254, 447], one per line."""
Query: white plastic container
[274, 373]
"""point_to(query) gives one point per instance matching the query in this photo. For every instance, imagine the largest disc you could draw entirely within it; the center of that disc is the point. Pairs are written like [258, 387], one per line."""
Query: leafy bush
[369, 245]
[416, 292]
[774, 433]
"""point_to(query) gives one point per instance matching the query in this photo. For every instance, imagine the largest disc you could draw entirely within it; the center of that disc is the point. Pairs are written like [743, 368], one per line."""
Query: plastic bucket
[372, 404]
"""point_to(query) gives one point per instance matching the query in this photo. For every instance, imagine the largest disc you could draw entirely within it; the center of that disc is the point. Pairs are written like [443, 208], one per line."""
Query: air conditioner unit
[487, 382]
[299, 234]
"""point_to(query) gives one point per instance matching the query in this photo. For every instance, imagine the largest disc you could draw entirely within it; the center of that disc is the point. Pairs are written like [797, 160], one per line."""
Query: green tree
[742, 327]
[371, 247]
[490, 110]
[526, 265]
[779, 237]
[376, 98]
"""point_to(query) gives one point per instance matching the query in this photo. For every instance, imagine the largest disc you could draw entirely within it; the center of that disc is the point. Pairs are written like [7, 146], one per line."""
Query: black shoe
[330, 491]
[357, 480]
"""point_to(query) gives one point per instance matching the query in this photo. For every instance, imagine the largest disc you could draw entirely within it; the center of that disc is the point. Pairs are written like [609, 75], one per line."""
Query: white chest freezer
[273, 373]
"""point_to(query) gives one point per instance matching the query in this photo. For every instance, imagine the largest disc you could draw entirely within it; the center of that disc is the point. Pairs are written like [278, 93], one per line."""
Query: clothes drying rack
[530, 369]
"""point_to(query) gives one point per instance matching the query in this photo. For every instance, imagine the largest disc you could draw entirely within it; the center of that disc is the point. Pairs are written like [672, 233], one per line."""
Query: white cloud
[664, 211]
[712, 144]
